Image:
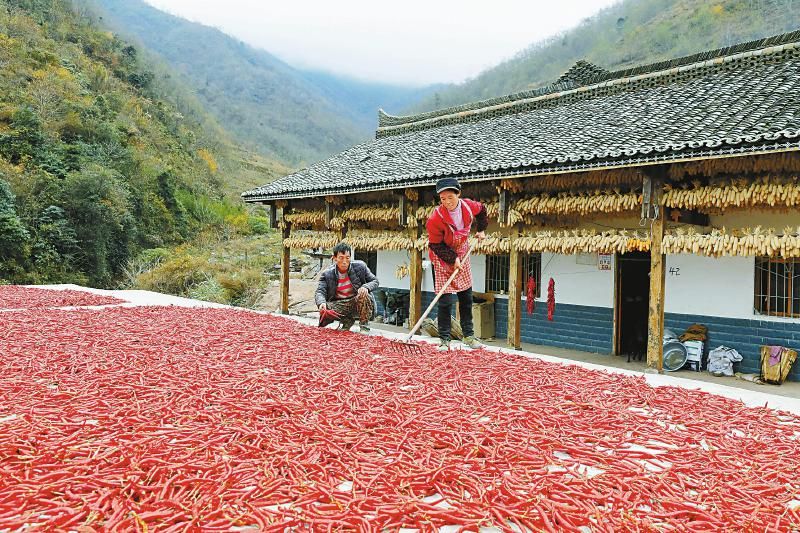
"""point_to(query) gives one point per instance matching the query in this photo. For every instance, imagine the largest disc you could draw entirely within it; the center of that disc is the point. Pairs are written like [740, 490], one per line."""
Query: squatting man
[345, 291]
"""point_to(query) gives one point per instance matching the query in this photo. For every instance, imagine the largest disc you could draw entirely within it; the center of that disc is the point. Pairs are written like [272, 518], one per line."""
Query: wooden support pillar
[514, 292]
[504, 199]
[285, 258]
[655, 320]
[273, 215]
[403, 208]
[415, 274]
[328, 214]
[415, 266]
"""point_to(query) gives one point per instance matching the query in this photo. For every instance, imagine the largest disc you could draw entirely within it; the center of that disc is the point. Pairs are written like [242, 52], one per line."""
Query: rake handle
[436, 299]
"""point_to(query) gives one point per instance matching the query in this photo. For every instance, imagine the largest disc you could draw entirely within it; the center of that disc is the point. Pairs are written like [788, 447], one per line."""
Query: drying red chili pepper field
[18, 297]
[174, 419]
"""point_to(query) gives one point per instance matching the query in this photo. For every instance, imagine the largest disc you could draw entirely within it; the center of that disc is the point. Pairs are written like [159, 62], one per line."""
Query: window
[777, 290]
[370, 258]
[497, 267]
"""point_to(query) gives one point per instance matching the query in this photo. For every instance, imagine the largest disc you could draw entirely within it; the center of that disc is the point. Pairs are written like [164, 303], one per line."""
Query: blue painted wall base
[590, 329]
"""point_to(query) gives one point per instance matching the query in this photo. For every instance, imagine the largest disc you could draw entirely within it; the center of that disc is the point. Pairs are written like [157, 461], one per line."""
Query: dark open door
[633, 296]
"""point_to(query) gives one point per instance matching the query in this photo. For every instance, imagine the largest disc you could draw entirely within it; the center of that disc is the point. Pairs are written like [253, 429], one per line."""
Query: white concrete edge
[137, 298]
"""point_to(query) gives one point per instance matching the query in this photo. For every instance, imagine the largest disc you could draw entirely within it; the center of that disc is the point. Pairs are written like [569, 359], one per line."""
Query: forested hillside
[94, 166]
[630, 33]
[294, 116]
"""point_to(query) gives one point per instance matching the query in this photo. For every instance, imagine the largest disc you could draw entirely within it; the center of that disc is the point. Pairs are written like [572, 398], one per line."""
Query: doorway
[632, 305]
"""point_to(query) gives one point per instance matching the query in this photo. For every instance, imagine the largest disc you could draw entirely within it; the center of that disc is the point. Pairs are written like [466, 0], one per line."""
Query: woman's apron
[443, 271]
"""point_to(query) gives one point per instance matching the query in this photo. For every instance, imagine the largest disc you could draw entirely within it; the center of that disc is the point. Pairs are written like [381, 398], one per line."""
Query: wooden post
[285, 258]
[273, 215]
[328, 214]
[514, 292]
[403, 205]
[415, 273]
[655, 320]
[502, 212]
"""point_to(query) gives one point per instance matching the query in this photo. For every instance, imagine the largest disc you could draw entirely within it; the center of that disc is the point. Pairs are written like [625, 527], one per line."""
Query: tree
[13, 236]
[96, 202]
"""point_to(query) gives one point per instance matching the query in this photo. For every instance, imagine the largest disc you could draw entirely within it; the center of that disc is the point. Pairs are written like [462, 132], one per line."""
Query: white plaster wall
[697, 285]
[388, 261]
[577, 284]
[712, 286]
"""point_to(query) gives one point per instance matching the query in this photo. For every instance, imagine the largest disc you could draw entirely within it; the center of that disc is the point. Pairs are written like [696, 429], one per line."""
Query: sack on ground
[776, 363]
[721, 359]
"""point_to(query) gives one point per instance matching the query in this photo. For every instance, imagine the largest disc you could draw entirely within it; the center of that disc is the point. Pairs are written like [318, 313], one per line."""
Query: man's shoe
[472, 342]
[346, 326]
[444, 346]
[364, 329]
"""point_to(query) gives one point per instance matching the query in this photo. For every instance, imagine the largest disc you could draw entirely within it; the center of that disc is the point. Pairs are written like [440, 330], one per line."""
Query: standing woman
[448, 241]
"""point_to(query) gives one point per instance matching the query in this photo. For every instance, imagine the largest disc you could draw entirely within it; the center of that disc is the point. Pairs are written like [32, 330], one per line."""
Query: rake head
[408, 348]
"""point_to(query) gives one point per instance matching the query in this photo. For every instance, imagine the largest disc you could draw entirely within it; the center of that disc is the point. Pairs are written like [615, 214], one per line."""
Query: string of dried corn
[305, 218]
[583, 180]
[318, 239]
[745, 242]
[570, 242]
[782, 162]
[379, 241]
[734, 195]
[569, 203]
[370, 213]
[493, 244]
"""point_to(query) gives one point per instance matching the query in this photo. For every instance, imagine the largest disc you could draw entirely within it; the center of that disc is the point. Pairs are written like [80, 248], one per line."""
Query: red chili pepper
[530, 295]
[551, 299]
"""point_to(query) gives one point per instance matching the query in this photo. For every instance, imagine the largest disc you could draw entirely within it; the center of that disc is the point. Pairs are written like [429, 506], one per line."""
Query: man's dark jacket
[360, 276]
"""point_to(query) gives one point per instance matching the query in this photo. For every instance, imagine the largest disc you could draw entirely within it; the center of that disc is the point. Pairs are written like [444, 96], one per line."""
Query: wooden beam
[285, 258]
[273, 215]
[514, 292]
[655, 320]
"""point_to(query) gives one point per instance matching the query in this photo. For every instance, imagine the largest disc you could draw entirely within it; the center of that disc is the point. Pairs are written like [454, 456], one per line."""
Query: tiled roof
[742, 99]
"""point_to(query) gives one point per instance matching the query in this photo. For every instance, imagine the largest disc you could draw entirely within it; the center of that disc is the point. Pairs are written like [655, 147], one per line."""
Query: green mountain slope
[281, 112]
[630, 33]
[94, 165]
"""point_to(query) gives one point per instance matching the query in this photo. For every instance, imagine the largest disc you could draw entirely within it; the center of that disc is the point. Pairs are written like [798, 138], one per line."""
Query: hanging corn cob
[412, 194]
[424, 211]
[511, 185]
[401, 271]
